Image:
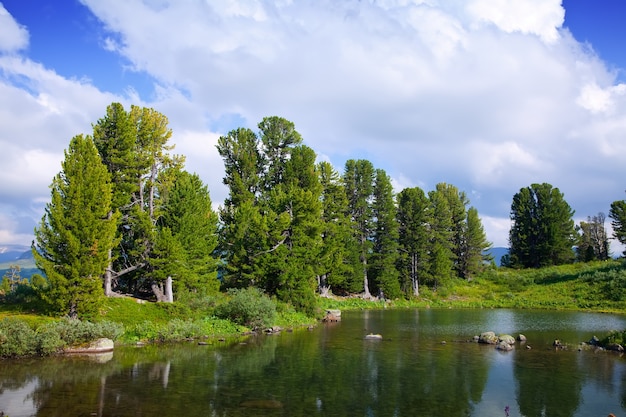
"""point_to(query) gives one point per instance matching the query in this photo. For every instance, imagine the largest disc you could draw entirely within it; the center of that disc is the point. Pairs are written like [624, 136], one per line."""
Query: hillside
[19, 255]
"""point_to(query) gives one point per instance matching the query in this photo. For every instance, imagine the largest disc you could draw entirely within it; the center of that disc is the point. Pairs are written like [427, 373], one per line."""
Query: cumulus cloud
[13, 36]
[487, 95]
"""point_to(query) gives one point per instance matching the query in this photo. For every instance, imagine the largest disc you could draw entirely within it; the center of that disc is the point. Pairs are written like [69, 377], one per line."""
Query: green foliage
[16, 338]
[248, 307]
[384, 257]
[76, 332]
[543, 230]
[76, 234]
[614, 337]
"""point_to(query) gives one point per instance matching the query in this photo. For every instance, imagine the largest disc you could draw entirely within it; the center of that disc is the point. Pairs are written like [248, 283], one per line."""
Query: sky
[488, 95]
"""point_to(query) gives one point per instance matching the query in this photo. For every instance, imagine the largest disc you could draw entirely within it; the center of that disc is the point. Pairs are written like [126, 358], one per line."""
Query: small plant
[248, 307]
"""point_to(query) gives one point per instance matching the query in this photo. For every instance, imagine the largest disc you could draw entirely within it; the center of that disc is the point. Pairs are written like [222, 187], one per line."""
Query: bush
[16, 338]
[75, 332]
[248, 307]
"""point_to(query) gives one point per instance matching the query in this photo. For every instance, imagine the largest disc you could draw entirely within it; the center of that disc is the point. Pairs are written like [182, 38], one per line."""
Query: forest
[125, 217]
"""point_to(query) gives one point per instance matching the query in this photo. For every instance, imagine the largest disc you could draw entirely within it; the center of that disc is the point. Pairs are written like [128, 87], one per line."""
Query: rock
[594, 341]
[273, 330]
[102, 345]
[475, 339]
[615, 347]
[503, 346]
[557, 344]
[332, 316]
[506, 338]
[373, 336]
[489, 338]
[521, 337]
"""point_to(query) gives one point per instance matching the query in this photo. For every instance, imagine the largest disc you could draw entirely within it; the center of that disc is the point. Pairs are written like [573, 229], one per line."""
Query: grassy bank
[598, 286]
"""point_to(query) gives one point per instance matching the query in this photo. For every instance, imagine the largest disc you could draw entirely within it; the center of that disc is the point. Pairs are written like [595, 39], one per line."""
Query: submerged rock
[373, 336]
[101, 345]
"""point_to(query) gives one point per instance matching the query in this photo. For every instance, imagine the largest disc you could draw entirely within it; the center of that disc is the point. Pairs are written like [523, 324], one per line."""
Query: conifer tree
[385, 236]
[414, 220]
[334, 269]
[441, 241]
[134, 147]
[358, 179]
[75, 237]
[543, 231]
[473, 255]
[243, 229]
[190, 220]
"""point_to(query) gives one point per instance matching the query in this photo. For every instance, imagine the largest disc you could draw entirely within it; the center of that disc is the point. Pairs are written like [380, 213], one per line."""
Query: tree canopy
[542, 233]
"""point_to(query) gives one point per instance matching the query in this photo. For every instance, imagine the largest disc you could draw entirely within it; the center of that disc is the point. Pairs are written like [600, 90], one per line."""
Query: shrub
[16, 338]
[248, 307]
[75, 332]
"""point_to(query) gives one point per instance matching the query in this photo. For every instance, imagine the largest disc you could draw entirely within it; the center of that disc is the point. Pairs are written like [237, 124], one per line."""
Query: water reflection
[333, 371]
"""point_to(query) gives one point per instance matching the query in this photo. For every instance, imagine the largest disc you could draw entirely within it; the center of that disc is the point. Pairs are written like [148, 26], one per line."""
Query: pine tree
[77, 232]
[294, 252]
[414, 220]
[358, 178]
[474, 255]
[243, 229]
[190, 219]
[134, 147]
[334, 269]
[441, 241]
[385, 254]
[543, 231]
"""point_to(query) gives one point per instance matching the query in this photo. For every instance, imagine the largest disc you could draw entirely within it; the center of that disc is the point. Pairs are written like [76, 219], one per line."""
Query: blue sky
[490, 96]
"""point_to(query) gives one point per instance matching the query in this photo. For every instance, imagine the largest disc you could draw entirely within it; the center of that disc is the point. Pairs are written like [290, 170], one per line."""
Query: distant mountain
[498, 253]
[11, 253]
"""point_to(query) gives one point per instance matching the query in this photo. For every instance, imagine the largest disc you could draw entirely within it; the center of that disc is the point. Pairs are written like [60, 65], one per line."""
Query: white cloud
[538, 17]
[13, 36]
[600, 100]
[487, 95]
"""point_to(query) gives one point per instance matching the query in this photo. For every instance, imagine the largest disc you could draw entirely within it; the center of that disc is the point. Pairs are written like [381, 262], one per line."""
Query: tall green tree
[271, 227]
[414, 220]
[134, 147]
[457, 203]
[358, 180]
[474, 252]
[617, 213]
[293, 253]
[333, 264]
[442, 256]
[243, 228]
[76, 234]
[385, 250]
[543, 232]
[190, 219]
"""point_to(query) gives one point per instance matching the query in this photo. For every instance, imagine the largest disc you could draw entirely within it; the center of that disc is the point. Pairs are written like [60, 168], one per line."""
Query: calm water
[333, 371]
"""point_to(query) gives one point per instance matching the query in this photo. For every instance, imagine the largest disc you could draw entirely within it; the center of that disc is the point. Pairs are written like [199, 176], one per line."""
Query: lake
[423, 366]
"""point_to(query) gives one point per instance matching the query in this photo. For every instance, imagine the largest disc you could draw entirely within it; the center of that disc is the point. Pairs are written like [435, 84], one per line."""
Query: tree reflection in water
[330, 371]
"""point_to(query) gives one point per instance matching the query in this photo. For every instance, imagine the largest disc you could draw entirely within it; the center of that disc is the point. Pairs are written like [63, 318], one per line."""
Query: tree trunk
[157, 290]
[414, 279]
[108, 279]
[169, 293]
